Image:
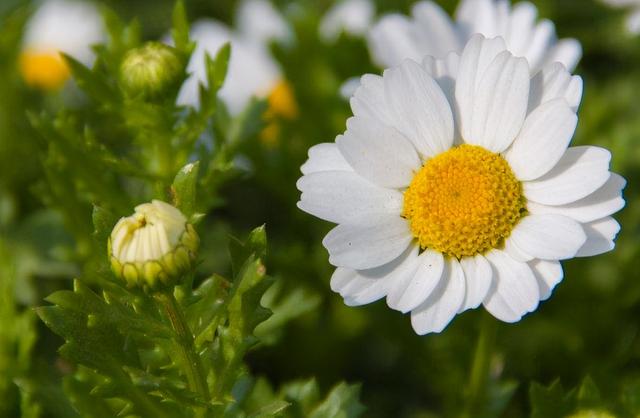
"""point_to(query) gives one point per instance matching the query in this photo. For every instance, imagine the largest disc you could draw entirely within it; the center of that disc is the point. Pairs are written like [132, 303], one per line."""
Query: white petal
[521, 28]
[478, 276]
[367, 286]
[438, 36]
[580, 172]
[370, 289]
[555, 82]
[548, 274]
[500, 103]
[544, 138]
[345, 197]
[368, 245]
[543, 35]
[445, 71]
[476, 57]
[416, 288]
[443, 303]
[379, 153]
[341, 278]
[515, 252]
[349, 87]
[421, 109]
[515, 290]
[391, 40]
[548, 237]
[600, 236]
[325, 157]
[605, 201]
[477, 16]
[369, 100]
[567, 52]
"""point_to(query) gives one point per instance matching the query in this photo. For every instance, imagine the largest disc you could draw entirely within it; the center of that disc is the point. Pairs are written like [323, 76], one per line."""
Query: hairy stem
[480, 368]
[193, 366]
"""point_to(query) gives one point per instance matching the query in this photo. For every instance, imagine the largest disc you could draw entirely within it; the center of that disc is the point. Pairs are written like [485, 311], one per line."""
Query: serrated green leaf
[90, 82]
[588, 394]
[302, 394]
[551, 401]
[184, 188]
[203, 314]
[274, 409]
[84, 401]
[342, 402]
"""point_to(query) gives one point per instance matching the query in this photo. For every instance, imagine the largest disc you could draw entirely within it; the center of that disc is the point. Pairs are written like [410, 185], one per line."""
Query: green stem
[195, 373]
[480, 368]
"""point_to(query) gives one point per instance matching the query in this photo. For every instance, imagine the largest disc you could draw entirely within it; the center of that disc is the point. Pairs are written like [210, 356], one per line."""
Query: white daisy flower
[633, 20]
[353, 17]
[454, 186]
[252, 69]
[430, 31]
[59, 26]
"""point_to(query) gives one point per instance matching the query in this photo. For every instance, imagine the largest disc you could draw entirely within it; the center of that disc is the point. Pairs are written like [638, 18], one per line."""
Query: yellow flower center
[282, 102]
[281, 105]
[44, 70]
[464, 202]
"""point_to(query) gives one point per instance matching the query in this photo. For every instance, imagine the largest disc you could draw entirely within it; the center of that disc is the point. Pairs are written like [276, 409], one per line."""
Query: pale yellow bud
[154, 247]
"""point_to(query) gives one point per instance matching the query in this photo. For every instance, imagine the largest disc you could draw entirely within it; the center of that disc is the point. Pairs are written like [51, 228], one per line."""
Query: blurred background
[589, 328]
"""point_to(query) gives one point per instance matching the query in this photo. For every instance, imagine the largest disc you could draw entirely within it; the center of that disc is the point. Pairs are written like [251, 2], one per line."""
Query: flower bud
[151, 71]
[154, 247]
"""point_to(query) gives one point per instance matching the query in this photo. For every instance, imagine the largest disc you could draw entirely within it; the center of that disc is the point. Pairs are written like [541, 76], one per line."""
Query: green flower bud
[151, 71]
[154, 247]
[592, 413]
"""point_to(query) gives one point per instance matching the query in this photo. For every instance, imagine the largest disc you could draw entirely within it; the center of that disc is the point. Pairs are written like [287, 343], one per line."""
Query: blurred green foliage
[73, 162]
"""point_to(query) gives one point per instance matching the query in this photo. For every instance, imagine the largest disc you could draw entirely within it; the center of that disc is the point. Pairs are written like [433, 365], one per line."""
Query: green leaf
[89, 81]
[588, 394]
[286, 305]
[342, 402]
[303, 395]
[272, 410]
[550, 402]
[180, 31]
[217, 69]
[184, 187]
[255, 244]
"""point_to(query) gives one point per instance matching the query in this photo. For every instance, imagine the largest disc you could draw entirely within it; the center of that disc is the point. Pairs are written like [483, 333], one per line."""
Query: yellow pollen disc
[44, 70]
[464, 202]
[282, 104]
[282, 101]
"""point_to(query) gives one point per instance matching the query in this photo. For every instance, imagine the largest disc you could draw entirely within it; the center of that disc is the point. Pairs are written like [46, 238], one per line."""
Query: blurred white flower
[353, 17]
[252, 69]
[454, 185]
[633, 20]
[260, 22]
[430, 31]
[58, 26]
